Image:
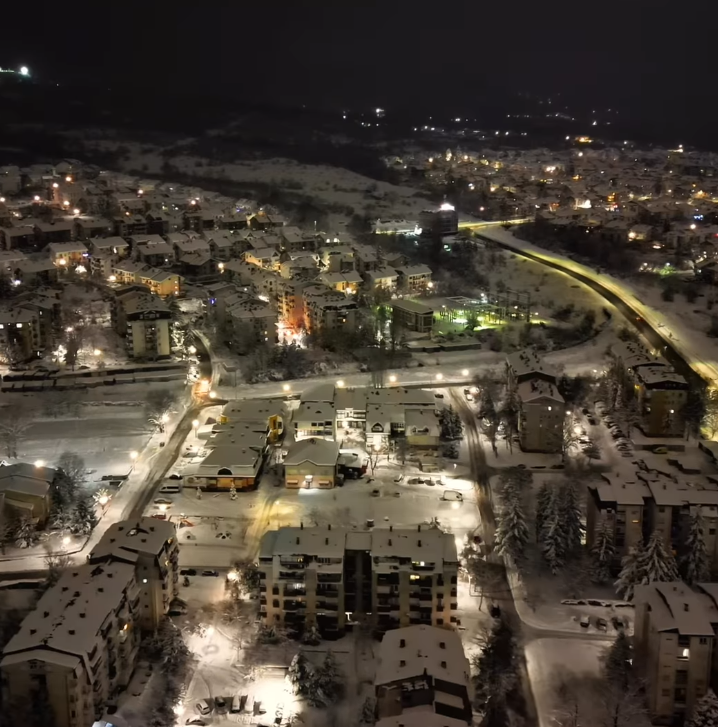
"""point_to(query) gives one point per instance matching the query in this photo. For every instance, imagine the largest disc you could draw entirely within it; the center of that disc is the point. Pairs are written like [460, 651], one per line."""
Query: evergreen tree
[618, 667]
[657, 563]
[512, 533]
[705, 713]
[495, 668]
[451, 424]
[570, 518]
[543, 500]
[602, 554]
[327, 684]
[25, 531]
[368, 711]
[553, 536]
[695, 564]
[630, 575]
[84, 516]
[300, 674]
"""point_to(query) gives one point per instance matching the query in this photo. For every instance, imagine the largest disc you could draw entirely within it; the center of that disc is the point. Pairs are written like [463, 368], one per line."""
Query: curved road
[679, 351]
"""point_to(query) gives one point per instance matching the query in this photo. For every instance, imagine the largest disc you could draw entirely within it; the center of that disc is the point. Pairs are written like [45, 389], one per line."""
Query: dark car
[210, 573]
[175, 476]
[188, 572]
[220, 704]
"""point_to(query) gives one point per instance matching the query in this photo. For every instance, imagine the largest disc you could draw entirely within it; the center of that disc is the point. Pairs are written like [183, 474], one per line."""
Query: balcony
[291, 605]
[294, 592]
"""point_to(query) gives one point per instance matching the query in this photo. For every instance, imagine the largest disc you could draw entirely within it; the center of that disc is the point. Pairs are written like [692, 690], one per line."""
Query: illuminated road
[706, 368]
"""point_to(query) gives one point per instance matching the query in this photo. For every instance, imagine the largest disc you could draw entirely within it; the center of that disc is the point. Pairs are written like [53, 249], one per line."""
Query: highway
[673, 344]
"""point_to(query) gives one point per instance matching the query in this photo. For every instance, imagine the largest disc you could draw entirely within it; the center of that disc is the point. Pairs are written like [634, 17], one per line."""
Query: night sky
[657, 57]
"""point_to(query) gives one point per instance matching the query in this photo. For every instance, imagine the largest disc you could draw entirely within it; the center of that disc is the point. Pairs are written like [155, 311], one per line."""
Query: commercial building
[332, 578]
[422, 678]
[311, 463]
[150, 546]
[675, 646]
[78, 648]
[413, 315]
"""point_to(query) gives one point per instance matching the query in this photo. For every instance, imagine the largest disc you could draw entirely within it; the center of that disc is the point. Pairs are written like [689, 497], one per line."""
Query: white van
[452, 496]
[238, 703]
[170, 489]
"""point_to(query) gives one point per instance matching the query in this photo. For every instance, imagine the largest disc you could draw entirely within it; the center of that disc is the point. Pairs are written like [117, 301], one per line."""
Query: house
[150, 546]
[675, 647]
[197, 265]
[152, 250]
[20, 333]
[336, 258]
[311, 463]
[264, 257]
[234, 461]
[327, 577]
[412, 315]
[54, 231]
[414, 278]
[221, 245]
[384, 278]
[422, 677]
[18, 235]
[347, 282]
[526, 365]
[267, 414]
[326, 309]
[314, 420]
[77, 649]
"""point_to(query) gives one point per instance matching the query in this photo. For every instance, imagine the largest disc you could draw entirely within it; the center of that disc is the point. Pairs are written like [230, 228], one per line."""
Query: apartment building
[20, 333]
[412, 315]
[332, 578]
[150, 547]
[383, 278]
[527, 365]
[675, 646]
[78, 648]
[661, 392]
[325, 309]
[422, 677]
[145, 321]
[648, 501]
[414, 278]
[542, 416]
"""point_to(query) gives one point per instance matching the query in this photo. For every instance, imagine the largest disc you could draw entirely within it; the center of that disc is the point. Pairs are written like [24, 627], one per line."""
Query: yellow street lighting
[36, 198]
[66, 540]
[97, 352]
[286, 387]
[340, 383]
[62, 261]
[195, 423]
[192, 350]
[465, 372]
[165, 418]
[55, 185]
[68, 178]
[104, 499]
[212, 394]
[392, 378]
[76, 211]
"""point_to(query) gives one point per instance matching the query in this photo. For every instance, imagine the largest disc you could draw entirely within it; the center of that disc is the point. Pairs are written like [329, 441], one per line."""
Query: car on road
[169, 489]
[162, 501]
[220, 704]
[196, 721]
[203, 706]
[175, 476]
[214, 573]
[188, 572]
[375, 493]
[660, 450]
[452, 495]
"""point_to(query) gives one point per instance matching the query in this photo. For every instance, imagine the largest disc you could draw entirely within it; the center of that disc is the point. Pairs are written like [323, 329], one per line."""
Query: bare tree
[11, 433]
[56, 562]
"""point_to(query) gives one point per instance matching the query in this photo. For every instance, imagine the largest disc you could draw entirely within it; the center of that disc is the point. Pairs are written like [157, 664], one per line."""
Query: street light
[36, 198]
[76, 211]
[195, 423]
[340, 383]
[192, 350]
[39, 463]
[103, 500]
[212, 394]
[165, 418]
[465, 372]
[66, 540]
[286, 387]
[97, 352]
[392, 378]
[439, 377]
[69, 329]
[134, 455]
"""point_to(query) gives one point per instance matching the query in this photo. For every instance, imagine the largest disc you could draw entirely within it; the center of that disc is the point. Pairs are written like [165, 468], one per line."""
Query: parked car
[453, 496]
[203, 706]
[188, 572]
[214, 573]
[220, 704]
[601, 624]
[660, 450]
[375, 493]
[196, 721]
[162, 501]
[175, 476]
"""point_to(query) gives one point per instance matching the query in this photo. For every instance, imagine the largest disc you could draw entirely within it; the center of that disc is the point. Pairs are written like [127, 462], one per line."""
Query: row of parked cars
[623, 443]
[238, 704]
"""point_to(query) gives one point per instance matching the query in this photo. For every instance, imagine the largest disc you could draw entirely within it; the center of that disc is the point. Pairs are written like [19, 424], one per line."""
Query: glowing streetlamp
[69, 329]
[165, 418]
[340, 384]
[212, 394]
[465, 372]
[392, 378]
[439, 377]
[97, 352]
[103, 500]
[192, 350]
[68, 178]
[66, 540]
[66, 203]
[36, 198]
[134, 455]
[195, 423]
[62, 261]
[2, 199]
[24, 71]
[286, 388]
[232, 576]
[76, 211]
[39, 463]
[55, 185]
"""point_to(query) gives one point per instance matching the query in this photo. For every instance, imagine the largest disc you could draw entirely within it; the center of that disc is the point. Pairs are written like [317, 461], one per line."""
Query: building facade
[329, 578]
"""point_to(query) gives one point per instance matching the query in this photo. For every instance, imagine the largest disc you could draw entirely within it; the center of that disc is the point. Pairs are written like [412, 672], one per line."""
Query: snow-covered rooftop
[145, 535]
[676, 607]
[321, 452]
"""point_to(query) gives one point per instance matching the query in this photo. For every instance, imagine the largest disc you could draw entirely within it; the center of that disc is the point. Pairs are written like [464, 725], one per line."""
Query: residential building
[160, 282]
[542, 416]
[328, 578]
[441, 222]
[422, 677]
[265, 257]
[150, 546]
[326, 309]
[350, 410]
[152, 250]
[19, 235]
[661, 392]
[527, 365]
[145, 321]
[336, 258]
[235, 459]
[311, 463]
[20, 333]
[412, 315]
[25, 488]
[87, 227]
[266, 414]
[414, 278]
[68, 254]
[347, 282]
[675, 646]
[78, 648]
[384, 278]
[314, 420]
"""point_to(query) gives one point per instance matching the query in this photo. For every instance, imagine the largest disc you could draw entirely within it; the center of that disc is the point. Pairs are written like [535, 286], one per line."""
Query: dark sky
[658, 55]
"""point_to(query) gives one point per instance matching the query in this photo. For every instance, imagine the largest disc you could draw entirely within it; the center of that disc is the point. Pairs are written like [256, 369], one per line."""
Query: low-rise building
[385, 278]
[68, 254]
[422, 677]
[527, 365]
[675, 646]
[144, 320]
[314, 420]
[412, 315]
[415, 278]
[25, 490]
[326, 578]
[20, 333]
[311, 463]
[326, 309]
[150, 546]
[78, 648]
